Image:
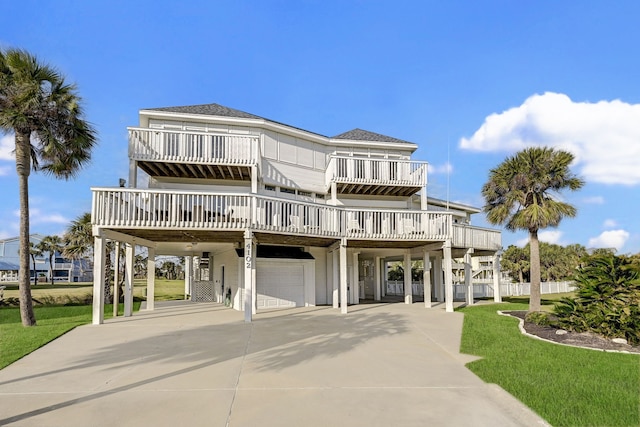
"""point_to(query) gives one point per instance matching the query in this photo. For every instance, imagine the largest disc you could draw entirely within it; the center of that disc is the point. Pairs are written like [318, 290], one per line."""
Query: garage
[279, 284]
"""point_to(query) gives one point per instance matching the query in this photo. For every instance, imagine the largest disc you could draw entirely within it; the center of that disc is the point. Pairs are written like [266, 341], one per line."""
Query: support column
[408, 289]
[188, 276]
[151, 278]
[336, 279]
[133, 173]
[497, 293]
[468, 282]
[254, 179]
[437, 277]
[249, 276]
[376, 279]
[385, 276]
[116, 281]
[343, 276]
[426, 278]
[128, 280]
[99, 258]
[355, 279]
[448, 276]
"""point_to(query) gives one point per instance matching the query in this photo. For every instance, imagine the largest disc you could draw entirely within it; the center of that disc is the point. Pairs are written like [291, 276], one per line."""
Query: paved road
[188, 364]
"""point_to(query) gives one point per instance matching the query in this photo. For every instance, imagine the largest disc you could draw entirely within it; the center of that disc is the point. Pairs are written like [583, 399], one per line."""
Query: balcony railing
[158, 209]
[359, 170]
[192, 147]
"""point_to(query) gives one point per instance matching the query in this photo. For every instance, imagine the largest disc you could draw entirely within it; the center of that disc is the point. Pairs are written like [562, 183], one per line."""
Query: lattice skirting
[203, 291]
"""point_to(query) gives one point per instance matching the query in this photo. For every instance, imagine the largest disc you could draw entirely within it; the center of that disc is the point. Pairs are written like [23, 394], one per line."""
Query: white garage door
[279, 285]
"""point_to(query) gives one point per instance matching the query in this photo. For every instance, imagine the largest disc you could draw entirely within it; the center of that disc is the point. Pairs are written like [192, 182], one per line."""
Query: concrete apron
[202, 365]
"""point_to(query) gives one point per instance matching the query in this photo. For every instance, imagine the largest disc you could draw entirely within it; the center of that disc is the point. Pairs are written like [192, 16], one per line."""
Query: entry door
[279, 285]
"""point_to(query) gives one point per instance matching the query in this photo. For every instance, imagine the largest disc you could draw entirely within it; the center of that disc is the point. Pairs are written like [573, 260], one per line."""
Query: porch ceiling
[377, 190]
[196, 170]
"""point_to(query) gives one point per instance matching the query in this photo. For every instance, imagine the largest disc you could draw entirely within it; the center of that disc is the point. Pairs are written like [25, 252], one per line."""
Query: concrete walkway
[188, 364]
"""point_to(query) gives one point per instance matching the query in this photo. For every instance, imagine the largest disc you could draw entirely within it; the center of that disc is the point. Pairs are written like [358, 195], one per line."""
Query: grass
[567, 386]
[17, 341]
[54, 319]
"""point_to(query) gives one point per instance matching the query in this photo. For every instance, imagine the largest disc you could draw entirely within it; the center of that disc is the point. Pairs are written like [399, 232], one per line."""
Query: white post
[355, 279]
[116, 280]
[437, 277]
[151, 276]
[408, 289]
[336, 279]
[249, 265]
[468, 283]
[426, 278]
[133, 173]
[448, 276]
[376, 279]
[343, 276]
[188, 275]
[385, 276]
[128, 280]
[254, 179]
[497, 296]
[329, 276]
[99, 256]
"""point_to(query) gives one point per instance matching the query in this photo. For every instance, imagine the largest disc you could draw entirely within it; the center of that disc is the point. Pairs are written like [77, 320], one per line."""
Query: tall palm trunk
[23, 168]
[534, 245]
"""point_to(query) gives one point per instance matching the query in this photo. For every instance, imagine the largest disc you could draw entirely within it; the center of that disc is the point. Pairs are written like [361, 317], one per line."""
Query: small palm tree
[34, 252]
[51, 245]
[78, 243]
[521, 194]
[44, 114]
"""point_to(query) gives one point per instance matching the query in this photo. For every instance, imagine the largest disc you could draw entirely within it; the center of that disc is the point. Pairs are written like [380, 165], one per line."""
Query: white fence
[484, 290]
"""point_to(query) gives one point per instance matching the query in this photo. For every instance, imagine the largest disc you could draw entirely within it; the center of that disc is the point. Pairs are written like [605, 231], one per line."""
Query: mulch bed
[577, 339]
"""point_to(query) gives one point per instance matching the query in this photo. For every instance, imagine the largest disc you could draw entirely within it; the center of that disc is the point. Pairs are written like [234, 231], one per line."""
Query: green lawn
[17, 341]
[566, 386]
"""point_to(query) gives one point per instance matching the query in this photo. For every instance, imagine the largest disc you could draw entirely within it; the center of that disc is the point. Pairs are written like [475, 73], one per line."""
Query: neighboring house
[271, 216]
[64, 270]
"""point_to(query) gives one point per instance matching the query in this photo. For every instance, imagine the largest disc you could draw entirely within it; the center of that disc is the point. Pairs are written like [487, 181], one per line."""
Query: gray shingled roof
[365, 135]
[208, 110]
[222, 111]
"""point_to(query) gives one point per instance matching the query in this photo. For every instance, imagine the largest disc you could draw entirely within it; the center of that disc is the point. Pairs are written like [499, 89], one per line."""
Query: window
[287, 190]
[270, 187]
[304, 193]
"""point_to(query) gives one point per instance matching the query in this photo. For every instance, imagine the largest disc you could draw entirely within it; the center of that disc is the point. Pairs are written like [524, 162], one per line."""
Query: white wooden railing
[192, 147]
[365, 170]
[467, 236]
[145, 208]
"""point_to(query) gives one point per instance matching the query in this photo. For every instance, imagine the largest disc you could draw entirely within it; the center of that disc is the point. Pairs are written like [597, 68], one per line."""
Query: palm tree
[78, 243]
[44, 114]
[51, 245]
[522, 194]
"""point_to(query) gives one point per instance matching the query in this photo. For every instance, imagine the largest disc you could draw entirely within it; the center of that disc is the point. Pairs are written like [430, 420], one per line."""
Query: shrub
[539, 318]
[607, 298]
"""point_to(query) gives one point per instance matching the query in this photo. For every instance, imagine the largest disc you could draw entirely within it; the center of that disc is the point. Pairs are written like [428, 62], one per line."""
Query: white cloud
[609, 239]
[603, 135]
[37, 217]
[5, 170]
[445, 168]
[7, 145]
[610, 223]
[549, 236]
[595, 200]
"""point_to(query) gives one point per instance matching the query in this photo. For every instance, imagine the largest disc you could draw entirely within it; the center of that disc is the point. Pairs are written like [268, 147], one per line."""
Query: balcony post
[343, 276]
[376, 279]
[99, 254]
[497, 296]
[355, 290]
[133, 173]
[426, 278]
[448, 276]
[151, 276]
[468, 283]
[128, 280]
[116, 280]
[249, 274]
[336, 279]
[408, 288]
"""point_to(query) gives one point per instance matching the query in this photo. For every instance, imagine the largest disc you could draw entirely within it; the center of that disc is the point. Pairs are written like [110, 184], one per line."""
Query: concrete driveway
[188, 364]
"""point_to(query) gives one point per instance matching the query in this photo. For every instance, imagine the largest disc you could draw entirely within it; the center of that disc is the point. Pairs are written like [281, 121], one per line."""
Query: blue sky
[470, 82]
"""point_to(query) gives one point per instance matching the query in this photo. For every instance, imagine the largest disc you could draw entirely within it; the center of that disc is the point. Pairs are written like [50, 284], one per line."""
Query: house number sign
[247, 257]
